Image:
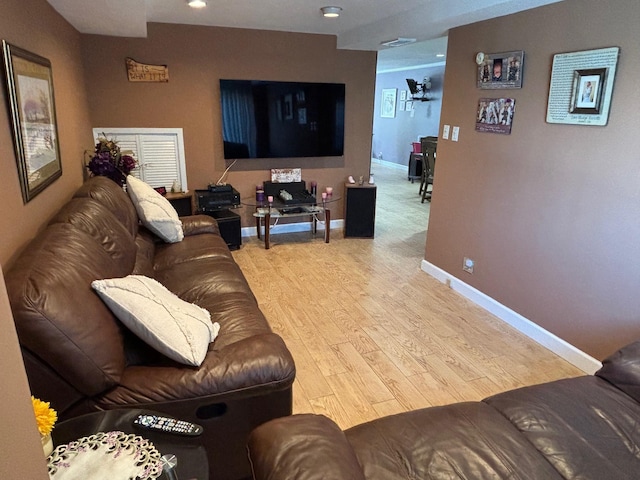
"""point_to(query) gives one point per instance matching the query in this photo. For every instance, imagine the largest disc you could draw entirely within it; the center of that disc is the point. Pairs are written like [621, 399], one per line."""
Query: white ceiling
[363, 24]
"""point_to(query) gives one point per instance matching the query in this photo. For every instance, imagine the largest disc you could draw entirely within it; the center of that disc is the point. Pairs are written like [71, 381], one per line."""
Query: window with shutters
[159, 153]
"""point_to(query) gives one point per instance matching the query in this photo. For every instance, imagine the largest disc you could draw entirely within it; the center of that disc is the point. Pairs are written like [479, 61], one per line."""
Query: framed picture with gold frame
[29, 83]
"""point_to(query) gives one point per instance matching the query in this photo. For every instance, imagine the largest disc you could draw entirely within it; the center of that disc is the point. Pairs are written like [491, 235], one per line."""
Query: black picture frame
[31, 102]
[586, 94]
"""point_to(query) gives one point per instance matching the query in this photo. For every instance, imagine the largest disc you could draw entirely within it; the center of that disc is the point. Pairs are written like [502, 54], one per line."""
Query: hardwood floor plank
[372, 334]
[405, 393]
[363, 377]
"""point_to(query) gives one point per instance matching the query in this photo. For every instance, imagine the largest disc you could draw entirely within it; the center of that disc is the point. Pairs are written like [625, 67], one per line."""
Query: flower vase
[47, 444]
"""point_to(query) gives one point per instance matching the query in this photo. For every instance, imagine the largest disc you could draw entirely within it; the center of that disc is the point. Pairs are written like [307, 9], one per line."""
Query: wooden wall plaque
[141, 72]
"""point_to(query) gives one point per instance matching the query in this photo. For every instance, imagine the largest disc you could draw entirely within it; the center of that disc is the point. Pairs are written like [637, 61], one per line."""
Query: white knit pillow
[155, 211]
[180, 330]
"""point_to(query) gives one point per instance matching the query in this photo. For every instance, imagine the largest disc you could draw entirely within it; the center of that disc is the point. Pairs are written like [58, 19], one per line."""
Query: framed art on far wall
[31, 101]
[388, 108]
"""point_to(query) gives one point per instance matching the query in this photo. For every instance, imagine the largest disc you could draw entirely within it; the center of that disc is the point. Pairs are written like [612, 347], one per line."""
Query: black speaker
[229, 224]
[360, 210]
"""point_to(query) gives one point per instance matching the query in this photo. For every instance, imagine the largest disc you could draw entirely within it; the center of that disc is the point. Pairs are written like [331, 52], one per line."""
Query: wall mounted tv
[268, 119]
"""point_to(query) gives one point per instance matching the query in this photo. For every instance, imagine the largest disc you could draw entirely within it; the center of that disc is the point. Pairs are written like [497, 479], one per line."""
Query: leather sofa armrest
[302, 447]
[197, 224]
[622, 369]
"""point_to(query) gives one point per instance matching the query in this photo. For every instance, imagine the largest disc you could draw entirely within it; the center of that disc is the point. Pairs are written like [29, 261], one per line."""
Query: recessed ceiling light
[197, 3]
[331, 12]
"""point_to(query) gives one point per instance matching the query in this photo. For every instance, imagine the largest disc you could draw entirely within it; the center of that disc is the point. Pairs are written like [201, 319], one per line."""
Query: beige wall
[197, 58]
[549, 213]
[35, 26]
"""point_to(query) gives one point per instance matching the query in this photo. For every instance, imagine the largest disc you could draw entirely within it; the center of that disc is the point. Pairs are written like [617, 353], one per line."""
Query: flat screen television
[269, 119]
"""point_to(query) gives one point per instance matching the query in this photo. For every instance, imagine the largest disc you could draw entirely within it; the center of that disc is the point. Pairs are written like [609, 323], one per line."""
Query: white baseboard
[292, 228]
[386, 163]
[571, 354]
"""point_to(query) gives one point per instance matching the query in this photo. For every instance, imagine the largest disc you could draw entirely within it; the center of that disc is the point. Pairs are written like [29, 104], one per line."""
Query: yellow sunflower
[45, 416]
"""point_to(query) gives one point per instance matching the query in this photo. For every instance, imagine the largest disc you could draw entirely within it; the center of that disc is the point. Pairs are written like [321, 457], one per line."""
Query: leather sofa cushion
[463, 440]
[114, 198]
[194, 247]
[197, 224]
[261, 363]
[585, 427]
[622, 369]
[53, 304]
[316, 449]
[95, 220]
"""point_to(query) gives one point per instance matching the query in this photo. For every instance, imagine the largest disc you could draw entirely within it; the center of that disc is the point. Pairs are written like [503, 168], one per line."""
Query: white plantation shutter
[158, 151]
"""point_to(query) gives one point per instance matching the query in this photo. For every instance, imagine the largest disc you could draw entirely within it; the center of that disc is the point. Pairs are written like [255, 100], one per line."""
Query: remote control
[168, 425]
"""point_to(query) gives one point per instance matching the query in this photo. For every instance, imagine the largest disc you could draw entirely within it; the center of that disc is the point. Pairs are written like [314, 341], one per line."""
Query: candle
[270, 198]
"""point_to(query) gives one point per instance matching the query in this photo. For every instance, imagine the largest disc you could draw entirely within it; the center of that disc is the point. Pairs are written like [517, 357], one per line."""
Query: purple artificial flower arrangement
[109, 161]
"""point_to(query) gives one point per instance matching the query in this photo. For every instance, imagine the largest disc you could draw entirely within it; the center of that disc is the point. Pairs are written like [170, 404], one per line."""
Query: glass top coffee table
[277, 210]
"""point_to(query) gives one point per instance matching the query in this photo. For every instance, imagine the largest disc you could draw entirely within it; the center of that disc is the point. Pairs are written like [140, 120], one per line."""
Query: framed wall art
[495, 115]
[500, 70]
[581, 86]
[31, 101]
[388, 104]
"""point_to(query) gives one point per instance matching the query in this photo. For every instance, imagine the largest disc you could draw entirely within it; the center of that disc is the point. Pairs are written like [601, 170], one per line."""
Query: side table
[182, 202]
[191, 454]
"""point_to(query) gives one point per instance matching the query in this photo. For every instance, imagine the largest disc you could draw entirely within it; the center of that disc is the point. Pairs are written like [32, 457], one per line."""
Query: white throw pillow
[180, 330]
[155, 211]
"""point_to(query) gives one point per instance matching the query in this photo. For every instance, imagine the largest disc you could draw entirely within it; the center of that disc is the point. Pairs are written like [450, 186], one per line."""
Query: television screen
[268, 119]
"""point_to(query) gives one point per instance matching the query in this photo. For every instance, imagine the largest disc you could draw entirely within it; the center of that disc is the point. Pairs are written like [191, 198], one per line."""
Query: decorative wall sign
[388, 105]
[141, 72]
[33, 117]
[500, 70]
[286, 175]
[495, 115]
[581, 86]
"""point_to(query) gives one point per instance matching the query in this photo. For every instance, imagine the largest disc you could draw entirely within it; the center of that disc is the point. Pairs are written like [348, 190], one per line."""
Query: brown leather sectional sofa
[579, 428]
[79, 357]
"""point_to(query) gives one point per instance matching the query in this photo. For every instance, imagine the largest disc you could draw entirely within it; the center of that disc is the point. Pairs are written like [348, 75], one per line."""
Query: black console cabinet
[360, 210]
[229, 224]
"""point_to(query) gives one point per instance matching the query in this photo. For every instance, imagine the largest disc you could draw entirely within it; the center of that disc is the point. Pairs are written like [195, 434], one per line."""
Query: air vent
[398, 42]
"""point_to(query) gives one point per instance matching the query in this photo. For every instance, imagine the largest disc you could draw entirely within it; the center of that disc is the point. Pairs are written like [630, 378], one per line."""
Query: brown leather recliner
[81, 358]
[580, 428]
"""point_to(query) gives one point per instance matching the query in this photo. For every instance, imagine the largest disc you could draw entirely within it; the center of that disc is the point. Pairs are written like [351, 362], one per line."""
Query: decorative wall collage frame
[500, 70]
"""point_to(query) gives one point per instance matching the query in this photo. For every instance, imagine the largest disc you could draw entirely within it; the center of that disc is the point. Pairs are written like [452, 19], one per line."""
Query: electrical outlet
[468, 264]
[445, 132]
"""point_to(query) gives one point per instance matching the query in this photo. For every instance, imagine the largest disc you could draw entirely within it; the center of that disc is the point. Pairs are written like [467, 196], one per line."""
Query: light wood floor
[370, 332]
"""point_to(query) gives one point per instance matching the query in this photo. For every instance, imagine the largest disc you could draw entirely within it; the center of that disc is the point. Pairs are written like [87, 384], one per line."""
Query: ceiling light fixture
[331, 12]
[398, 42]
[197, 3]
[439, 55]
